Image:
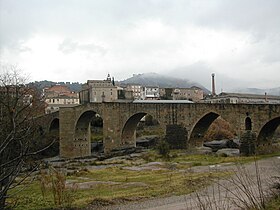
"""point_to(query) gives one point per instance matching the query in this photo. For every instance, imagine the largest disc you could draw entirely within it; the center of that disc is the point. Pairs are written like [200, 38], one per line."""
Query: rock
[153, 166]
[221, 144]
[204, 150]
[97, 146]
[228, 152]
[147, 141]
[156, 164]
[89, 185]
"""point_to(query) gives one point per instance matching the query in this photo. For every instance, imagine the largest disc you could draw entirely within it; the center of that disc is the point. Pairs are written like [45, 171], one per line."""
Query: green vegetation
[273, 203]
[117, 184]
[96, 137]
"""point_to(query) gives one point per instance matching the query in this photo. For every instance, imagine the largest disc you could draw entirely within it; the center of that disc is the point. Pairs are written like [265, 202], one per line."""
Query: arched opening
[212, 128]
[51, 140]
[96, 126]
[141, 128]
[248, 124]
[200, 128]
[268, 134]
[88, 133]
[54, 127]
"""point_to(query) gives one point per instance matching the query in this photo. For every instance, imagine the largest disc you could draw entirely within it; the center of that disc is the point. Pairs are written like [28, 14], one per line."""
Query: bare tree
[18, 111]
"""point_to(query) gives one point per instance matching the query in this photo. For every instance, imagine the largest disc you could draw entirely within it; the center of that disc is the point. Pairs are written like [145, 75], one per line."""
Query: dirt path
[224, 194]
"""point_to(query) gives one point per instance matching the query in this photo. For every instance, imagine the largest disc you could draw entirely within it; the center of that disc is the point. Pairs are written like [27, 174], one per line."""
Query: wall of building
[136, 90]
[150, 93]
[243, 99]
[99, 91]
[58, 96]
[192, 94]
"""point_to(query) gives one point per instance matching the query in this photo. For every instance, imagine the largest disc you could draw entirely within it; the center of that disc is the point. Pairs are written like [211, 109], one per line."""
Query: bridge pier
[74, 140]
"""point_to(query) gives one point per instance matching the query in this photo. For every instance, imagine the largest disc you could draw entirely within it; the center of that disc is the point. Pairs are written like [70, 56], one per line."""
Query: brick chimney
[213, 85]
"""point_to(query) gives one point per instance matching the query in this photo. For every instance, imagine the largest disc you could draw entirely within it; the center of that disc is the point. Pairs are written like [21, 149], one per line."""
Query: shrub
[163, 149]
[219, 129]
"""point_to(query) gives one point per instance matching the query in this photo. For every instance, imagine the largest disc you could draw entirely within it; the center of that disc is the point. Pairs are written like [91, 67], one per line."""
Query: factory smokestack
[213, 85]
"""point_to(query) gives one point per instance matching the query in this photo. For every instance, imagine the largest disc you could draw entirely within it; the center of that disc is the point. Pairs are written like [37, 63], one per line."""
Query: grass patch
[117, 185]
[127, 185]
[273, 203]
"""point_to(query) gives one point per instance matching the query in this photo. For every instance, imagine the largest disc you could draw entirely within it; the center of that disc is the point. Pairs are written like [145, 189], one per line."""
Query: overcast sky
[76, 40]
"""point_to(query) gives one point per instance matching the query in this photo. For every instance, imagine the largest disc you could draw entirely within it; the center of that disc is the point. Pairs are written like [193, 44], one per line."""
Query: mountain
[162, 81]
[272, 91]
[74, 86]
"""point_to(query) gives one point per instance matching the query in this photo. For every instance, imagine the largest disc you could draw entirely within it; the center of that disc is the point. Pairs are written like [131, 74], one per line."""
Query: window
[248, 124]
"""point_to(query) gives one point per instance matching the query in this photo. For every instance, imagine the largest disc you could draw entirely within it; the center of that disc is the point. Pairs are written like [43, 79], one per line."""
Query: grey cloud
[20, 19]
[257, 16]
[201, 72]
[70, 46]
[110, 20]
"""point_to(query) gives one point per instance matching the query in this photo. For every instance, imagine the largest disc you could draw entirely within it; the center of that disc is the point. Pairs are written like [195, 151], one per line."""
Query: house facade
[59, 96]
[136, 90]
[99, 91]
[150, 93]
[193, 94]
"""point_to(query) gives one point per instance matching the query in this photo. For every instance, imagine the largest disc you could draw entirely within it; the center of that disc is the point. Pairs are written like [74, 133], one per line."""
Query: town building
[136, 90]
[59, 96]
[150, 93]
[241, 98]
[194, 94]
[99, 91]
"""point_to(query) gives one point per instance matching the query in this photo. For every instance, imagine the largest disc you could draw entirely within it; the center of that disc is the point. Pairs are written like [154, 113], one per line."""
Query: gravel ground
[217, 195]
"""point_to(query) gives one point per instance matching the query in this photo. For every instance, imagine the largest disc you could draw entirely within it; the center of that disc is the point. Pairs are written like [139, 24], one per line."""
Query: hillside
[162, 81]
[74, 86]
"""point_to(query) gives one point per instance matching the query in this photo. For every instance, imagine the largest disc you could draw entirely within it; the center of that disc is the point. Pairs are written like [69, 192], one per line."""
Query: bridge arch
[267, 131]
[50, 138]
[54, 125]
[128, 135]
[82, 135]
[201, 126]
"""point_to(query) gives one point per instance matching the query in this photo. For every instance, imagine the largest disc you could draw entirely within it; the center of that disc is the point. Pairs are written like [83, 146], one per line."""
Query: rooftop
[242, 95]
[163, 101]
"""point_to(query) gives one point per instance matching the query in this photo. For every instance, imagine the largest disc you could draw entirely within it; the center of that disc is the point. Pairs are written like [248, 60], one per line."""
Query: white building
[136, 90]
[150, 93]
[240, 98]
[59, 96]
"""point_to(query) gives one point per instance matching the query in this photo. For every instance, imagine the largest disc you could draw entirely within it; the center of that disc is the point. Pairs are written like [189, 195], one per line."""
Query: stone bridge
[120, 121]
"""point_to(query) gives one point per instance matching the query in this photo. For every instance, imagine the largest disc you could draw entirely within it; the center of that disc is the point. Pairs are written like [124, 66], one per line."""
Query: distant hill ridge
[158, 80]
[74, 86]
